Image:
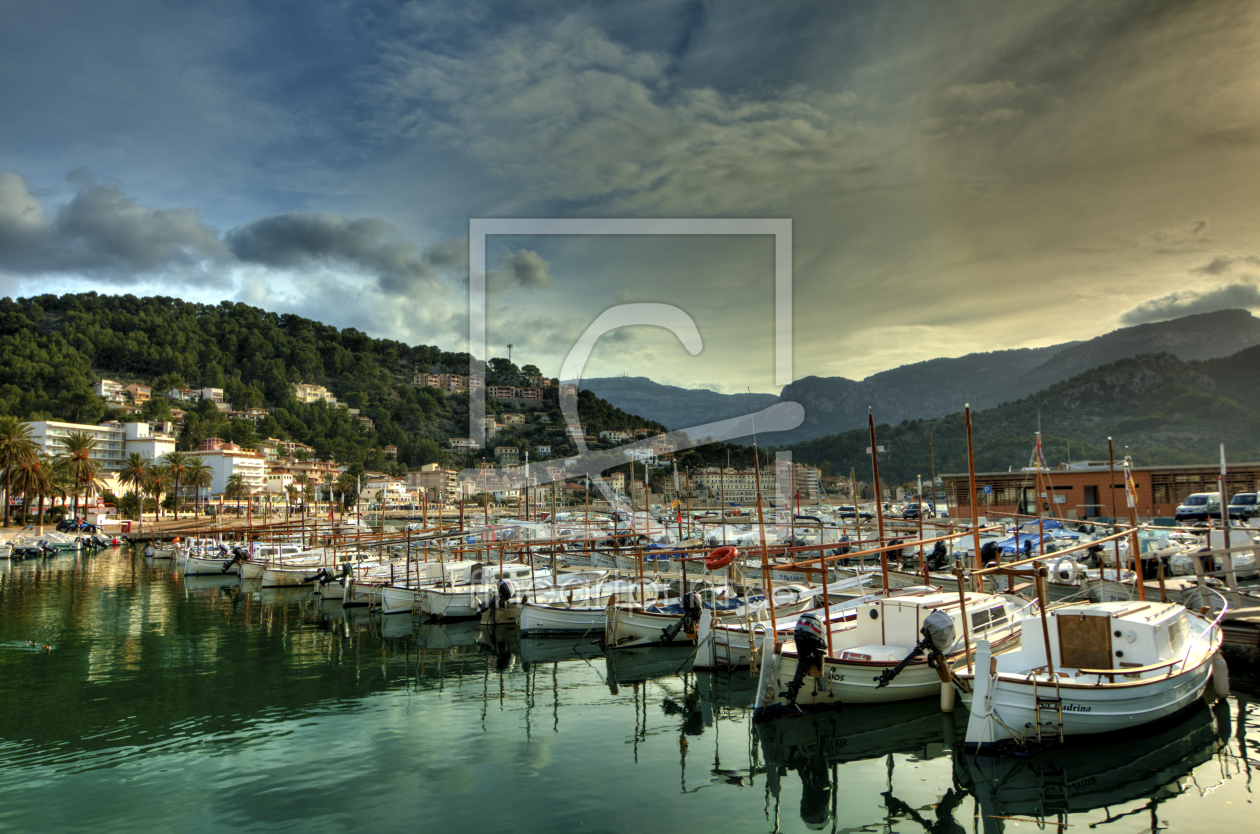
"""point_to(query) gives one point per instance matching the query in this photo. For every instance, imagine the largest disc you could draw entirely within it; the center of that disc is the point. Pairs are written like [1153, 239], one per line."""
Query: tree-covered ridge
[57, 347]
[1163, 410]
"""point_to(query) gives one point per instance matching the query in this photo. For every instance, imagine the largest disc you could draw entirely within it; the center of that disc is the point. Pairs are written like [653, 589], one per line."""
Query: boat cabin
[1103, 635]
[885, 629]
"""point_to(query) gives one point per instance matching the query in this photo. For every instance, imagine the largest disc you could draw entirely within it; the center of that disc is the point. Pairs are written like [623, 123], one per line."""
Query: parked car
[1244, 506]
[913, 510]
[1199, 506]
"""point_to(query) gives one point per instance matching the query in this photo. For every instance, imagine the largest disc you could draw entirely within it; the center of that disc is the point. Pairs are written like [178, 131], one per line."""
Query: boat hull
[554, 621]
[1087, 709]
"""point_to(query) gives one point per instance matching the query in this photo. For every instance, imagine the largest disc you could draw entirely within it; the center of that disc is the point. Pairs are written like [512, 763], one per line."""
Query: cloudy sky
[960, 176]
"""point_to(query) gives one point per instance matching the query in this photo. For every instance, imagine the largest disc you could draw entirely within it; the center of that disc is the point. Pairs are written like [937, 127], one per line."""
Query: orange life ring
[720, 558]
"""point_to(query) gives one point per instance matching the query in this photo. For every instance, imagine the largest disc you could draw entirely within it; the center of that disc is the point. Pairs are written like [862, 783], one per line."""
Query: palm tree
[17, 446]
[46, 485]
[177, 462]
[290, 493]
[328, 482]
[136, 473]
[303, 482]
[77, 457]
[159, 482]
[200, 476]
[32, 478]
[347, 486]
[238, 488]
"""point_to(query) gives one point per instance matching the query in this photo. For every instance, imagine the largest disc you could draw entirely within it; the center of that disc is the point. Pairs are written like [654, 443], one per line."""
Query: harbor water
[136, 700]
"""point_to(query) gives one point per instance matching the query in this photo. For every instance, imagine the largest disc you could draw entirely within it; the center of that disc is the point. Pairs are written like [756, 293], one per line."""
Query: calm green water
[166, 705]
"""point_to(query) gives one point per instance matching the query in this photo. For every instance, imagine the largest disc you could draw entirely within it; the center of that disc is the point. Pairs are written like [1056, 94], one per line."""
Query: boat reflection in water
[641, 664]
[548, 650]
[812, 744]
[1079, 778]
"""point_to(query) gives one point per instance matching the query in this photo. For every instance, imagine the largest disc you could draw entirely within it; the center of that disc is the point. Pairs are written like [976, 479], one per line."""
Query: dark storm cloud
[296, 240]
[524, 268]
[100, 231]
[1242, 294]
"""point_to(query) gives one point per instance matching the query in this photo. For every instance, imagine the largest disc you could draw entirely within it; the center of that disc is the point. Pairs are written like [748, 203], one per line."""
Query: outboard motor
[938, 635]
[689, 621]
[321, 577]
[239, 556]
[811, 647]
[989, 553]
[938, 559]
[503, 592]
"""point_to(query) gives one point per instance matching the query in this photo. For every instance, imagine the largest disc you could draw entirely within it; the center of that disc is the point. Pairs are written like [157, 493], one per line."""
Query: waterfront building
[1093, 489]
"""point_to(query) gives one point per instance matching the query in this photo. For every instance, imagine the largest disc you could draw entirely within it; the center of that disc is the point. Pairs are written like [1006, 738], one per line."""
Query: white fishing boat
[463, 601]
[899, 649]
[263, 555]
[554, 615]
[405, 596]
[1091, 668]
[733, 644]
[48, 543]
[634, 625]
[209, 557]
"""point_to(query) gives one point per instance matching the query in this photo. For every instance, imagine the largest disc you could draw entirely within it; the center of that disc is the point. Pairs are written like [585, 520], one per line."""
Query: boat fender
[811, 647]
[1220, 675]
[947, 696]
[1066, 570]
[720, 558]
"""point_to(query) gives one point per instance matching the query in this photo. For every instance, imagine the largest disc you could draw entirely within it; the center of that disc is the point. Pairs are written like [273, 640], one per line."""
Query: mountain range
[937, 387]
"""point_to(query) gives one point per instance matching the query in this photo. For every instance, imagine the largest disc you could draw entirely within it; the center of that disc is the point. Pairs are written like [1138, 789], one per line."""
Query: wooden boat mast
[766, 581]
[879, 498]
[971, 483]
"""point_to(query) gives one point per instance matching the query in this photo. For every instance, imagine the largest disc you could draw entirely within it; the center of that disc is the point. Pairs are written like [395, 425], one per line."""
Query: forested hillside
[57, 347]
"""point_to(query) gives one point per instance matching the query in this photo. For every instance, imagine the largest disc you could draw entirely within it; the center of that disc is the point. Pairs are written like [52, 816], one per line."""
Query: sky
[959, 176]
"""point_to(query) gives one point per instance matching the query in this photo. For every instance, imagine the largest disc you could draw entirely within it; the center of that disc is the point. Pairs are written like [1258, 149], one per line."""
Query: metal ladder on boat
[1048, 730]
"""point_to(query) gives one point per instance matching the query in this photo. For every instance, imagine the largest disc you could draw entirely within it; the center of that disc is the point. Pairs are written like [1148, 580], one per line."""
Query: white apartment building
[224, 463]
[110, 438]
[112, 391]
[143, 438]
[114, 442]
[279, 482]
[308, 393]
